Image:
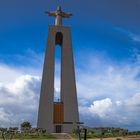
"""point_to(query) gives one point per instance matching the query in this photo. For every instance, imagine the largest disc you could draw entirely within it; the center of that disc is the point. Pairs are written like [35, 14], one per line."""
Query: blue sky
[106, 41]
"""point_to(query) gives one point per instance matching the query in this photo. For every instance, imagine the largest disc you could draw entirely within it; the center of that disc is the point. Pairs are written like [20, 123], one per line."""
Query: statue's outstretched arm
[65, 15]
[50, 13]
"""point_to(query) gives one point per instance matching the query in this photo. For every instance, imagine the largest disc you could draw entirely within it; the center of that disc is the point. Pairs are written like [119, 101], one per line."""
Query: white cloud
[8, 74]
[107, 80]
[19, 100]
[107, 93]
[134, 101]
[4, 117]
[101, 107]
[135, 37]
[125, 114]
[118, 103]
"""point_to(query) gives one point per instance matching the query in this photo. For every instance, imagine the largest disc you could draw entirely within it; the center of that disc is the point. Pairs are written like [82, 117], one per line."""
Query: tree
[25, 126]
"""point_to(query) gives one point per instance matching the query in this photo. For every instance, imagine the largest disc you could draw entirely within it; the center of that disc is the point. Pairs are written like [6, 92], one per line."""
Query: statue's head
[58, 8]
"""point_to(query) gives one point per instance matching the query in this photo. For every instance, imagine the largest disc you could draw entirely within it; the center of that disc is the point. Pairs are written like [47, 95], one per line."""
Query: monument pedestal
[68, 108]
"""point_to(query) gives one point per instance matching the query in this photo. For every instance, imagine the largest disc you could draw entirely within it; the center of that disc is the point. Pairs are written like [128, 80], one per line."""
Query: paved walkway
[62, 136]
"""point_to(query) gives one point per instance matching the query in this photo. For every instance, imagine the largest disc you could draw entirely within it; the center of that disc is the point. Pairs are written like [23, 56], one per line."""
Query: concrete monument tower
[59, 116]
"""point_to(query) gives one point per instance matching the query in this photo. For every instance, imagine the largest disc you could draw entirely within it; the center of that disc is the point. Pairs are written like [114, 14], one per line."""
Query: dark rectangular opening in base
[58, 128]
